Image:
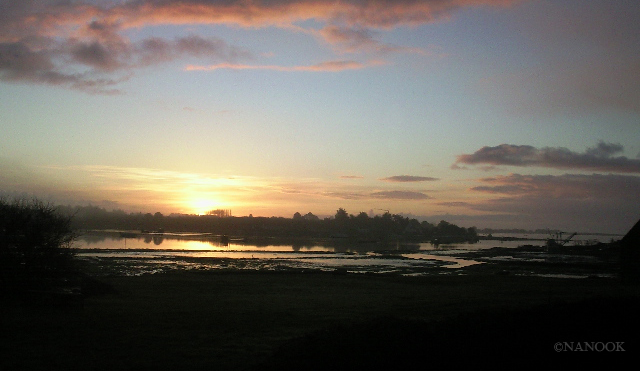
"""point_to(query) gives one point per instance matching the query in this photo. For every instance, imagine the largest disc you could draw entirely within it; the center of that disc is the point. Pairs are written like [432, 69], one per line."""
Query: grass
[242, 320]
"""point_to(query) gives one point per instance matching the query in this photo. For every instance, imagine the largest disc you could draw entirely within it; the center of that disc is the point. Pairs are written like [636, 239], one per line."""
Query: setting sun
[200, 206]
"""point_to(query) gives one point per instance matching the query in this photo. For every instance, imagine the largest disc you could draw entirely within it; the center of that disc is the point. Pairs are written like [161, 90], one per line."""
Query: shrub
[35, 245]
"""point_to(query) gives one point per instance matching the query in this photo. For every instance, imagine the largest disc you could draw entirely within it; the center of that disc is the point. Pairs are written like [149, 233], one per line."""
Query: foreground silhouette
[630, 254]
[35, 246]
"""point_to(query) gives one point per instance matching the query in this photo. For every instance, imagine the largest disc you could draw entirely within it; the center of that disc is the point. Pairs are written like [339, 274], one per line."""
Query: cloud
[408, 178]
[454, 204]
[344, 195]
[96, 55]
[380, 14]
[156, 50]
[358, 39]
[105, 64]
[83, 44]
[329, 66]
[576, 186]
[400, 195]
[350, 39]
[351, 177]
[599, 158]
[19, 63]
[47, 17]
[380, 195]
[593, 202]
[604, 149]
[576, 215]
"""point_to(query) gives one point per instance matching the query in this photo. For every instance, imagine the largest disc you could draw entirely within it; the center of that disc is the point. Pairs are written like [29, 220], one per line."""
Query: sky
[487, 113]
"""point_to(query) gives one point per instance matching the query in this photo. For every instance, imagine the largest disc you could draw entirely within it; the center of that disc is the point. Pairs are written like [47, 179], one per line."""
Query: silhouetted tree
[310, 216]
[221, 213]
[35, 241]
[362, 220]
[341, 215]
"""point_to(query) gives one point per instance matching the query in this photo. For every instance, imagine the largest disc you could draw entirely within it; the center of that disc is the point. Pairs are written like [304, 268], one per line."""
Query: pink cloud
[379, 14]
[359, 39]
[56, 38]
[329, 66]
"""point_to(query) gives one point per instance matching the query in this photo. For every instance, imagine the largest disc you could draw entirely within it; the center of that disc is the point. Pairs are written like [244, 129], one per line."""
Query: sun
[200, 206]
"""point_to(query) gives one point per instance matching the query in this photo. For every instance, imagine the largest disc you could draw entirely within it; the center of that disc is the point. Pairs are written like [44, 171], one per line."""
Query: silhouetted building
[630, 255]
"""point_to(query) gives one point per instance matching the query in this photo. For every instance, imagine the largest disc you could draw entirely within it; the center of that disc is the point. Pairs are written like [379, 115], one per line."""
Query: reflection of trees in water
[215, 243]
[157, 240]
[91, 239]
[338, 245]
[299, 246]
[361, 248]
[347, 246]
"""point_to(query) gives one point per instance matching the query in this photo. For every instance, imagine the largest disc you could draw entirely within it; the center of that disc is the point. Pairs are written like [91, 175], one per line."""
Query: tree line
[361, 227]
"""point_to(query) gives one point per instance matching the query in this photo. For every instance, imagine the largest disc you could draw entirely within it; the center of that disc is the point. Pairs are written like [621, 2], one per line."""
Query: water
[160, 253]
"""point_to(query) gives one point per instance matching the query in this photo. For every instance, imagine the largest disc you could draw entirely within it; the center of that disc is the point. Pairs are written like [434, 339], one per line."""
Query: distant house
[630, 255]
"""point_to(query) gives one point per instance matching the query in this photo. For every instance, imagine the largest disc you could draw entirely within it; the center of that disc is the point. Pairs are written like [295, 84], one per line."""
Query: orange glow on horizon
[200, 206]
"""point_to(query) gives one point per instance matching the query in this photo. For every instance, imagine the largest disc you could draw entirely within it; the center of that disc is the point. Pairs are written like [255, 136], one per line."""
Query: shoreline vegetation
[236, 319]
[359, 228]
[218, 225]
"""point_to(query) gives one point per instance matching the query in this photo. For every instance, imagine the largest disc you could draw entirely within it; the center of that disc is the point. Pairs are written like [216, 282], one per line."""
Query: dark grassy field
[261, 320]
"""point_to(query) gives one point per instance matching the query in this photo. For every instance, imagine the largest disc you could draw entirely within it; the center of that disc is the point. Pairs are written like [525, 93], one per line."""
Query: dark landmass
[545, 232]
[482, 315]
[539, 335]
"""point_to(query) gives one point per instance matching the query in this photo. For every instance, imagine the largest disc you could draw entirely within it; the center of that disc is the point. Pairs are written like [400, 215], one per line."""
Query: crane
[563, 242]
[558, 241]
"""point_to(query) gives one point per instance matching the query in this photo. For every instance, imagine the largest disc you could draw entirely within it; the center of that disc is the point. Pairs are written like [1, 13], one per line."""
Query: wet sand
[235, 320]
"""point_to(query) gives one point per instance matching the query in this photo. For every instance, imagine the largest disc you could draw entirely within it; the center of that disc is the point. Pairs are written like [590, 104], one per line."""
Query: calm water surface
[158, 253]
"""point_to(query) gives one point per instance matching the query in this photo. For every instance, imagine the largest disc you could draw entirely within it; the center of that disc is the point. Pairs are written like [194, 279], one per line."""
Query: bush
[35, 245]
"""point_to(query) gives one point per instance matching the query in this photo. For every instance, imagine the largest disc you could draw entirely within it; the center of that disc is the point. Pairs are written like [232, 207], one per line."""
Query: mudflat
[234, 320]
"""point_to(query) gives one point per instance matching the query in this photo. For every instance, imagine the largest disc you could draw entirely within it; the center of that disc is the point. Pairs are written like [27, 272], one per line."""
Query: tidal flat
[254, 320]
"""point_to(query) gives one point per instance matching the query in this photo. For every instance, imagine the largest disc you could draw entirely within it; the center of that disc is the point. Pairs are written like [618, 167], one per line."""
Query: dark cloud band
[598, 158]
